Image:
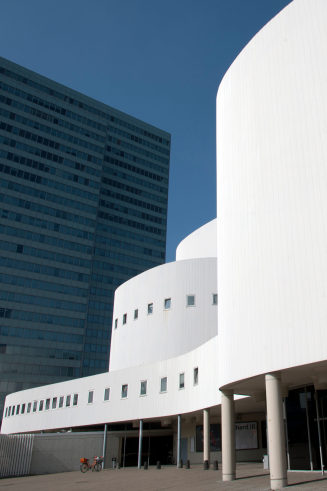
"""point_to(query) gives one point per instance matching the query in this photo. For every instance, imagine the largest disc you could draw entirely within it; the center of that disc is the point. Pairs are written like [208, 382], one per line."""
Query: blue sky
[160, 61]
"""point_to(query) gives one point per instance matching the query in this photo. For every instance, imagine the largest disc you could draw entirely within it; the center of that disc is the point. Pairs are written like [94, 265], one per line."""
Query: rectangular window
[75, 400]
[190, 300]
[34, 406]
[29, 405]
[61, 401]
[116, 323]
[6, 412]
[215, 299]
[150, 308]
[136, 313]
[68, 398]
[195, 376]
[54, 403]
[106, 394]
[167, 303]
[124, 318]
[90, 397]
[47, 404]
[143, 388]
[124, 390]
[163, 384]
[41, 405]
[23, 409]
[13, 410]
[181, 381]
[17, 408]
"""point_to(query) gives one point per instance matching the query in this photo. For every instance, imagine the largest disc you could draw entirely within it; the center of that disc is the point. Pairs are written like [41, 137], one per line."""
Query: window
[190, 300]
[181, 380]
[29, 405]
[68, 398]
[6, 412]
[47, 404]
[23, 409]
[150, 308]
[13, 410]
[163, 384]
[54, 403]
[75, 400]
[61, 401]
[167, 303]
[90, 397]
[106, 394]
[41, 405]
[124, 390]
[143, 388]
[195, 376]
[136, 313]
[215, 299]
[19, 248]
[17, 408]
[116, 323]
[34, 406]
[124, 318]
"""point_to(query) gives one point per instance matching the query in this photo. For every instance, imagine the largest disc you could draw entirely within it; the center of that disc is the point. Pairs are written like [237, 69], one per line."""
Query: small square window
[61, 401]
[29, 406]
[17, 408]
[143, 388]
[215, 299]
[54, 403]
[167, 303]
[47, 404]
[75, 400]
[195, 376]
[19, 248]
[106, 394]
[136, 313]
[116, 323]
[181, 380]
[90, 397]
[163, 384]
[124, 318]
[150, 308]
[41, 405]
[68, 398]
[124, 390]
[190, 300]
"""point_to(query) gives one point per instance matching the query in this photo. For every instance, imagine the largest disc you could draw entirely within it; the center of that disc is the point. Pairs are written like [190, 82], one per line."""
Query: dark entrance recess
[154, 448]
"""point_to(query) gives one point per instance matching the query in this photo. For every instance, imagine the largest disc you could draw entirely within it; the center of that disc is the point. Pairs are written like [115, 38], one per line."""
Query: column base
[276, 484]
[229, 477]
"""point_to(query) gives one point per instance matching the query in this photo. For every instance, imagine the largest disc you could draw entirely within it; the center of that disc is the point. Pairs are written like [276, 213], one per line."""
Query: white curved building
[168, 358]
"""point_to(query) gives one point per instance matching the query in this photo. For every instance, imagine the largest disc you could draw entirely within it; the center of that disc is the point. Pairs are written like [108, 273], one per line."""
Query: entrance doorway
[154, 448]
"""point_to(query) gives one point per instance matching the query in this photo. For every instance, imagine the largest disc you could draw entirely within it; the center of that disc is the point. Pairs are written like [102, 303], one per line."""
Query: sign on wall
[246, 435]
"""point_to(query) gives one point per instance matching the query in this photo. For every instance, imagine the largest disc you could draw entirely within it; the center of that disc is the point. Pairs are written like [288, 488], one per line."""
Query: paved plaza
[249, 477]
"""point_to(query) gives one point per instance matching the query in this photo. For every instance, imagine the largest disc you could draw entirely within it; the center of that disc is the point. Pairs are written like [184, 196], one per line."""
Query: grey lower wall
[61, 452]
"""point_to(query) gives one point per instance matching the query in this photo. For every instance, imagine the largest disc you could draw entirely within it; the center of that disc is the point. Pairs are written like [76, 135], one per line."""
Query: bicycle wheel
[84, 467]
[98, 467]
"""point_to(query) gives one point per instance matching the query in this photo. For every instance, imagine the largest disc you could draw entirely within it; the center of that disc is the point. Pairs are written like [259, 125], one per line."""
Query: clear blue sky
[160, 61]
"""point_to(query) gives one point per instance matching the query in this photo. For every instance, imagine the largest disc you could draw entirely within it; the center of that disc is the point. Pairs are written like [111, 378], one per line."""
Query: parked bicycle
[95, 466]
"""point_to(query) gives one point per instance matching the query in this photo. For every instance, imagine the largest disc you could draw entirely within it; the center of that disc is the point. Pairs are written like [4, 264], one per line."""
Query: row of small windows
[35, 150]
[37, 317]
[137, 160]
[130, 223]
[27, 333]
[49, 117]
[190, 302]
[82, 105]
[113, 205]
[128, 199]
[108, 241]
[103, 227]
[139, 140]
[42, 301]
[35, 164]
[124, 257]
[128, 177]
[72, 400]
[132, 147]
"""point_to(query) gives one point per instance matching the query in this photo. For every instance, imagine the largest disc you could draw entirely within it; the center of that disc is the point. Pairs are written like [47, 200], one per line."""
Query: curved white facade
[272, 199]
[200, 243]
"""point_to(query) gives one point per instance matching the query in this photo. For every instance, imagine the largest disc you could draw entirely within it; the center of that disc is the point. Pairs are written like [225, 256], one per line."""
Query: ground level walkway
[249, 477]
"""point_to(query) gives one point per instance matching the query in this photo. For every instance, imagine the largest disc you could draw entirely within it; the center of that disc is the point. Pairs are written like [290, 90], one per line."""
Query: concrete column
[178, 439]
[139, 460]
[276, 434]
[228, 435]
[206, 435]
[104, 444]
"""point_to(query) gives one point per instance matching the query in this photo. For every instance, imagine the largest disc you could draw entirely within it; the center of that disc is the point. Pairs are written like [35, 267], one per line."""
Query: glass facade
[83, 208]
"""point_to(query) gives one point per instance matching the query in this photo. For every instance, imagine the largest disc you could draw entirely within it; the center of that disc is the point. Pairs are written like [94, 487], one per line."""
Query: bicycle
[95, 466]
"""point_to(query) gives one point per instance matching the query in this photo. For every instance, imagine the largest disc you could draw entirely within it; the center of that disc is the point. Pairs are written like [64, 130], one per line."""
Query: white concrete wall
[200, 243]
[272, 197]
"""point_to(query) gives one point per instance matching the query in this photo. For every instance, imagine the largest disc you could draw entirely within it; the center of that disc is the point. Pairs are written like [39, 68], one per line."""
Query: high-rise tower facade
[83, 207]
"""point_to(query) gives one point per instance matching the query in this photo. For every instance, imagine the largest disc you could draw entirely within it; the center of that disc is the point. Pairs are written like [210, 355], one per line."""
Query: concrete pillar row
[276, 433]
[228, 435]
[206, 435]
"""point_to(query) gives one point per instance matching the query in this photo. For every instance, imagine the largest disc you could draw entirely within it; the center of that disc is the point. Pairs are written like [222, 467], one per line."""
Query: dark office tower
[83, 207]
